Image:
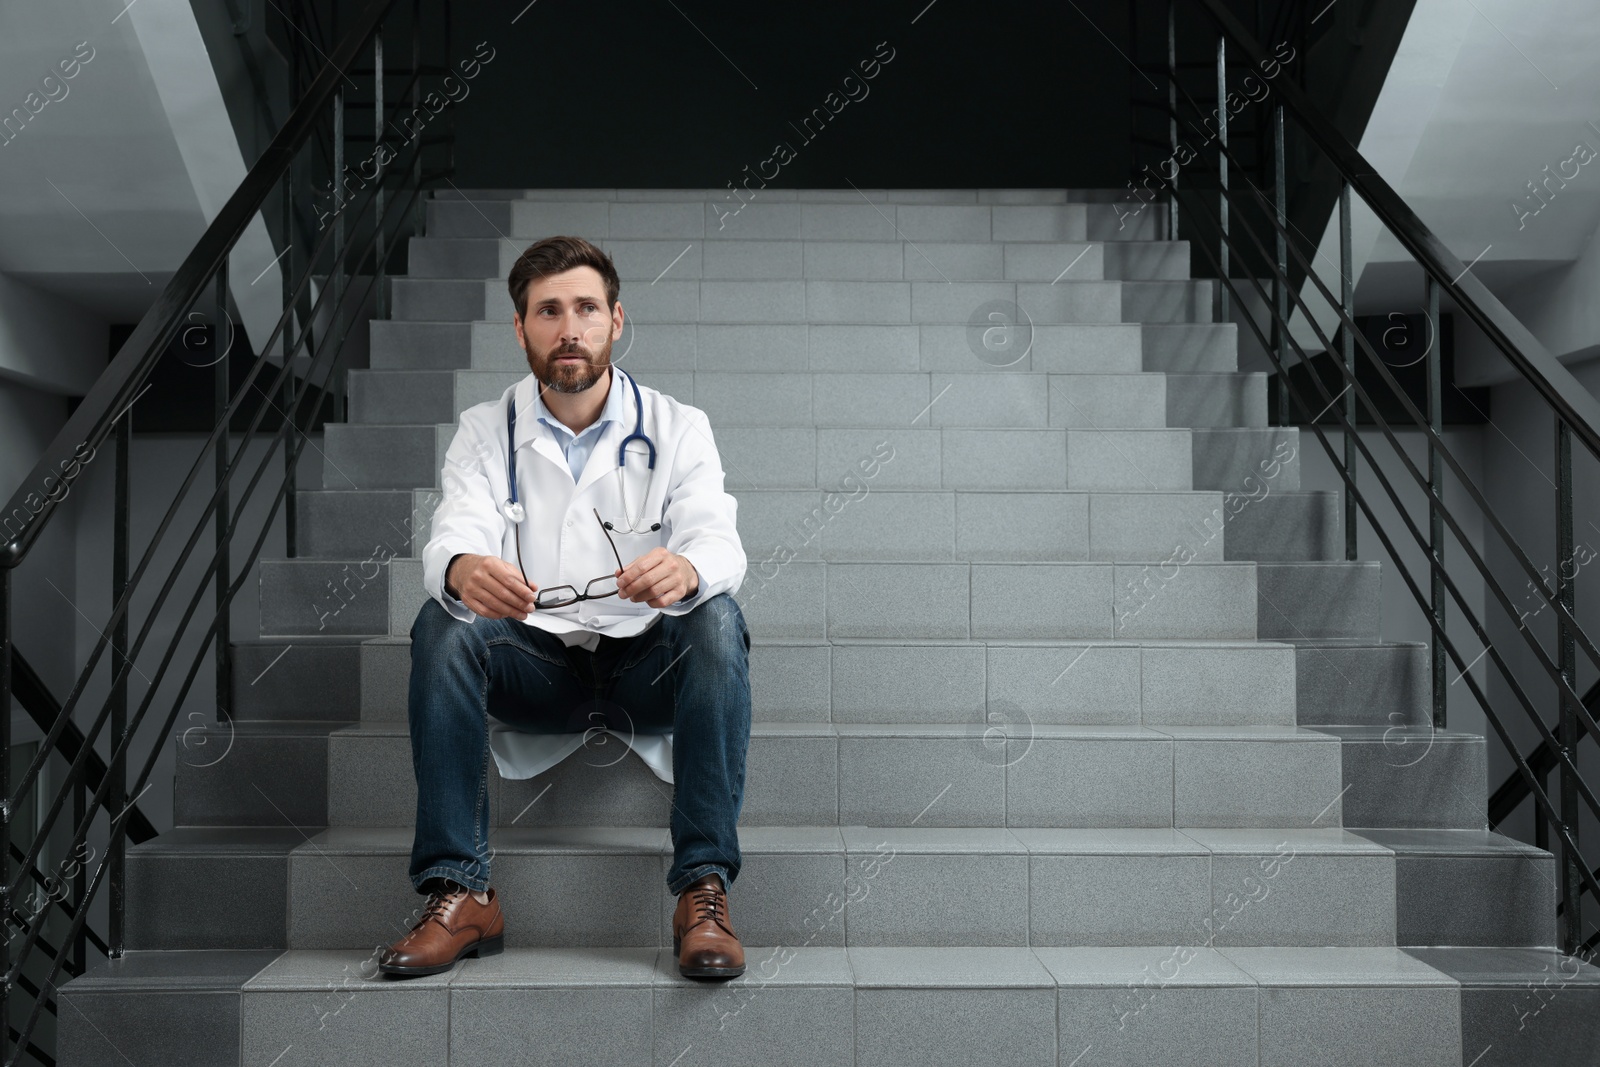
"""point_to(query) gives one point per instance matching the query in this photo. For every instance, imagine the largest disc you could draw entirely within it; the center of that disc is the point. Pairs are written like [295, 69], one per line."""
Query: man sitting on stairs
[558, 613]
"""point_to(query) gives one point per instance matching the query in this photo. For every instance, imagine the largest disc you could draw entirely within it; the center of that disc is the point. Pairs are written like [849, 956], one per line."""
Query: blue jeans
[687, 673]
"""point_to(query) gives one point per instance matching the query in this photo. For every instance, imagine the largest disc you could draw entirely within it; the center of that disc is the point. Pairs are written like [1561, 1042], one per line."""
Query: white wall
[29, 419]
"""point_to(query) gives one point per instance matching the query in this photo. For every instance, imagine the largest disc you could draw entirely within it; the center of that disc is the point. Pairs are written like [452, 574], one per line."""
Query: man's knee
[717, 623]
[440, 634]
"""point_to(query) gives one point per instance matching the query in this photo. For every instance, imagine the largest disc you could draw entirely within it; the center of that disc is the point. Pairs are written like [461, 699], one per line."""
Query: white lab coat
[562, 544]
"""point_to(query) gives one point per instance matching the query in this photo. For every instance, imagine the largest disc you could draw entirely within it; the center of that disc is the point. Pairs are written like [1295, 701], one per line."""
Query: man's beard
[571, 377]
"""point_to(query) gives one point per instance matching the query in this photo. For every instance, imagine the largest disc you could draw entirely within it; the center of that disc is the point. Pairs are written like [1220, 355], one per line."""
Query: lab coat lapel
[602, 459]
[552, 452]
[529, 432]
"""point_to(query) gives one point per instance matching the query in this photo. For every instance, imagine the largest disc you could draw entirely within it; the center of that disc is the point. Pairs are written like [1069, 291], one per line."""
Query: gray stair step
[922, 893]
[906, 524]
[725, 259]
[1083, 400]
[1322, 887]
[157, 1007]
[369, 456]
[1014, 683]
[1507, 1018]
[818, 599]
[1217, 399]
[1145, 260]
[768, 219]
[1460, 887]
[1250, 461]
[318, 597]
[1361, 683]
[851, 195]
[1046, 683]
[884, 774]
[1191, 348]
[1219, 1007]
[838, 302]
[717, 258]
[1110, 683]
[1330, 598]
[1091, 348]
[344, 523]
[212, 887]
[261, 774]
[1413, 777]
[901, 524]
[859, 398]
[271, 677]
[1163, 301]
[1470, 887]
[1284, 527]
[919, 599]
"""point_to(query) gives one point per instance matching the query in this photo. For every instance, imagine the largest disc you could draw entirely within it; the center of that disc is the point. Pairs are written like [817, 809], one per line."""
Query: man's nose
[572, 326]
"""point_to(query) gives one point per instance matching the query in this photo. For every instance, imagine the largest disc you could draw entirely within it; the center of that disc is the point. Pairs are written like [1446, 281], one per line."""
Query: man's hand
[658, 578]
[490, 586]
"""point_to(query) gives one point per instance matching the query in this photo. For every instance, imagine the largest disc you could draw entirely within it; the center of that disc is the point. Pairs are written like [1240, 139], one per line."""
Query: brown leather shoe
[702, 934]
[453, 925]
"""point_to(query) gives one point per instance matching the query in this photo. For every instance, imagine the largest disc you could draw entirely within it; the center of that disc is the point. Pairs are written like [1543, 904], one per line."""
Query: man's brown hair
[553, 255]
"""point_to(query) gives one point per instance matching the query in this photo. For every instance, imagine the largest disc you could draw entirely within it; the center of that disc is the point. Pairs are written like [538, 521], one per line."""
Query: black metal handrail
[45, 710]
[1447, 580]
[1289, 290]
[1437, 443]
[375, 219]
[1542, 759]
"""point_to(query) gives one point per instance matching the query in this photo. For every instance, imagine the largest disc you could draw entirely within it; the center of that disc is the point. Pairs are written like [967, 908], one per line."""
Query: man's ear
[616, 321]
[516, 325]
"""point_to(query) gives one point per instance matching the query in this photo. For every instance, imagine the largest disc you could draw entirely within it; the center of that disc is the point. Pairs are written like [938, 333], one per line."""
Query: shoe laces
[441, 901]
[707, 901]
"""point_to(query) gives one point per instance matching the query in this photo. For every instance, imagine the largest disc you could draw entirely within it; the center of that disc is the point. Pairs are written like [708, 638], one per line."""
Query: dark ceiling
[688, 93]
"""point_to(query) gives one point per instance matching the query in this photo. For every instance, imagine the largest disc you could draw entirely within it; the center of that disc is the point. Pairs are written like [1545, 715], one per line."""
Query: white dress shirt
[561, 479]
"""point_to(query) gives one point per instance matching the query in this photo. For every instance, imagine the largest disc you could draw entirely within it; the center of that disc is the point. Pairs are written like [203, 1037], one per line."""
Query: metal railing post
[1172, 116]
[117, 795]
[1280, 290]
[1541, 825]
[5, 804]
[336, 280]
[380, 296]
[1434, 363]
[80, 880]
[1567, 664]
[220, 394]
[419, 220]
[1347, 295]
[450, 120]
[1222, 175]
[291, 508]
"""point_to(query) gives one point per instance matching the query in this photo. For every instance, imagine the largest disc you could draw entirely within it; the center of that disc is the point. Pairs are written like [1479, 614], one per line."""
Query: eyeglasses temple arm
[609, 539]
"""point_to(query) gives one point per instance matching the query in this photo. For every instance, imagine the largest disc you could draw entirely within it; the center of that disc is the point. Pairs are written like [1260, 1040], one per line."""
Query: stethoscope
[513, 509]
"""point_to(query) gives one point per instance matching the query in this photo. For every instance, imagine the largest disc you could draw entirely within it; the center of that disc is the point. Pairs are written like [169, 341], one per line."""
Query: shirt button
[569, 522]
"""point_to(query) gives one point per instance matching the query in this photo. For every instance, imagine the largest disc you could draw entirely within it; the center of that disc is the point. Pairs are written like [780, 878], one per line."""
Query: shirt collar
[612, 412]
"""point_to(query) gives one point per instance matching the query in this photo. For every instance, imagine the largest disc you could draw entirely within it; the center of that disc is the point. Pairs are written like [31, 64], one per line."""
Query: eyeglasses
[559, 596]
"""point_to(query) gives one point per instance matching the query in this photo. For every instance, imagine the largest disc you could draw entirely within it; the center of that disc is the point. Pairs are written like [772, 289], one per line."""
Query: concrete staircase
[1075, 740]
